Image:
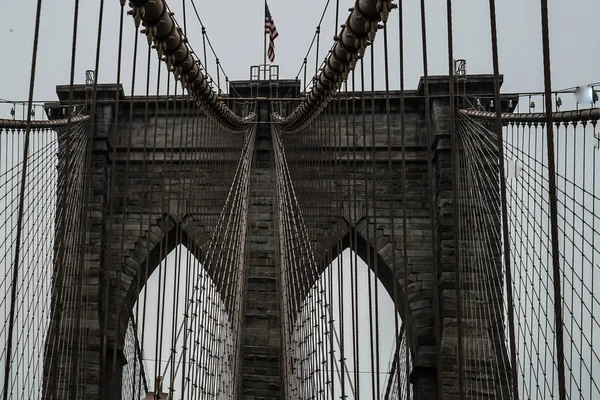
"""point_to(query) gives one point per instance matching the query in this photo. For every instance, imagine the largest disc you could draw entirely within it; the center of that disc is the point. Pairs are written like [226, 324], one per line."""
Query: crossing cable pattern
[335, 193]
[201, 329]
[38, 287]
[58, 175]
[209, 348]
[203, 342]
[529, 237]
[481, 281]
[398, 379]
[306, 311]
[66, 348]
[336, 165]
[222, 321]
[135, 384]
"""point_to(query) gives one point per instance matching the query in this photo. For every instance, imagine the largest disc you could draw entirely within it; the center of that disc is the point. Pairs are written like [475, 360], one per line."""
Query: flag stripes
[270, 30]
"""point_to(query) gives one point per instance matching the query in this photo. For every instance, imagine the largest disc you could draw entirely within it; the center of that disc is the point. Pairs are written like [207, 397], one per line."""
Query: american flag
[270, 30]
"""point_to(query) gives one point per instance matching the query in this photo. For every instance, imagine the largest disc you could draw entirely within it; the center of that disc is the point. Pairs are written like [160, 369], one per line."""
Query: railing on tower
[264, 74]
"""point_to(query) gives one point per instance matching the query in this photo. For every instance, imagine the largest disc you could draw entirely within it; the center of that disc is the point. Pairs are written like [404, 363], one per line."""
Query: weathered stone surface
[172, 191]
[262, 336]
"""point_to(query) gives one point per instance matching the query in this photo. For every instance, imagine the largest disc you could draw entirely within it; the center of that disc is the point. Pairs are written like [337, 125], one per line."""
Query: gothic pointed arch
[152, 248]
[375, 249]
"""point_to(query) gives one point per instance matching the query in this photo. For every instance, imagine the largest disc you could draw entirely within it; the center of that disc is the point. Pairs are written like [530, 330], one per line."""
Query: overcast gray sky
[236, 31]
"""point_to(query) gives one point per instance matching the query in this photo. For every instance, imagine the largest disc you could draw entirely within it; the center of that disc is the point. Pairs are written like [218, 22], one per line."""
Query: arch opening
[179, 337]
[365, 353]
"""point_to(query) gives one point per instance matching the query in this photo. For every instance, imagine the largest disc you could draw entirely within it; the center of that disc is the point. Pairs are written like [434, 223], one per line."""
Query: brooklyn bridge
[336, 234]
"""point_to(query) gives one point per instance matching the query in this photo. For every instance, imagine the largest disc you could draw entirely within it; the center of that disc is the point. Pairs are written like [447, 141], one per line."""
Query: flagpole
[265, 45]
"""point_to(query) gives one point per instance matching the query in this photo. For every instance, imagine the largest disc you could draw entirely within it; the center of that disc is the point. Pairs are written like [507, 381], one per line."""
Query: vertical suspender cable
[376, 247]
[15, 275]
[455, 203]
[218, 76]
[406, 320]
[204, 48]
[391, 193]
[432, 200]
[119, 309]
[318, 33]
[367, 213]
[454, 156]
[90, 144]
[75, 361]
[505, 230]
[111, 207]
[558, 301]
[144, 266]
[304, 67]
[353, 246]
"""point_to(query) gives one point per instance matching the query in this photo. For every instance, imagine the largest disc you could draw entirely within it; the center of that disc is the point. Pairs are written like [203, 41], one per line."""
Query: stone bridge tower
[114, 142]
